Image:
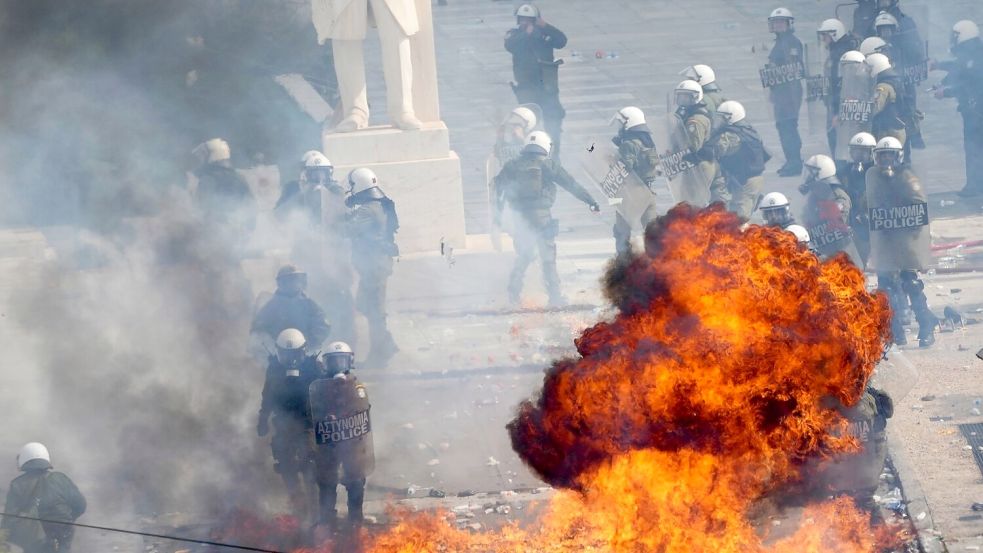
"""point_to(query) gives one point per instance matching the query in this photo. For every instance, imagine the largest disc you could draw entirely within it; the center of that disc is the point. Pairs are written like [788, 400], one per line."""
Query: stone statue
[345, 23]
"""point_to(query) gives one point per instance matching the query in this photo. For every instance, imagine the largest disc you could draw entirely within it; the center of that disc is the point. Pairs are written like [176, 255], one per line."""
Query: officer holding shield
[342, 434]
[636, 149]
[827, 210]
[741, 154]
[899, 238]
[853, 175]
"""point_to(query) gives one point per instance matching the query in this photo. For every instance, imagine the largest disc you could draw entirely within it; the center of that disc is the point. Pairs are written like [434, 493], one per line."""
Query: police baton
[146, 534]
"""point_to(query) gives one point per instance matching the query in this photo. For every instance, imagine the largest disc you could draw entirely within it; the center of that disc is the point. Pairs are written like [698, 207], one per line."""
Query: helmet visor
[290, 358]
[685, 98]
[775, 215]
[887, 158]
[861, 154]
[318, 176]
[778, 24]
[337, 363]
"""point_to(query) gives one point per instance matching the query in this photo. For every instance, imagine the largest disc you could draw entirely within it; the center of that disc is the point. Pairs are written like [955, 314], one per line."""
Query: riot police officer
[863, 18]
[713, 95]
[739, 151]
[342, 434]
[899, 238]
[289, 374]
[786, 98]
[853, 175]
[775, 210]
[890, 106]
[527, 185]
[907, 52]
[636, 149]
[691, 109]
[43, 493]
[827, 210]
[312, 213]
[372, 226]
[832, 33]
[534, 68]
[965, 83]
[223, 198]
[857, 475]
[288, 308]
[873, 45]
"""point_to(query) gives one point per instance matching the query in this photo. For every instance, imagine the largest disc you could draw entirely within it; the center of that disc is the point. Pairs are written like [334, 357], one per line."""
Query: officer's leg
[547, 256]
[914, 288]
[525, 252]
[719, 191]
[356, 497]
[747, 197]
[861, 237]
[973, 144]
[622, 234]
[788, 134]
[327, 487]
[372, 292]
[285, 460]
[553, 114]
[890, 283]
[830, 132]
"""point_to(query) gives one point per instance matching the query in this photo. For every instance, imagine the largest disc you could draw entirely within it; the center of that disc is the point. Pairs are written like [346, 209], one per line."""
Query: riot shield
[856, 106]
[895, 375]
[622, 187]
[688, 182]
[342, 425]
[828, 233]
[900, 237]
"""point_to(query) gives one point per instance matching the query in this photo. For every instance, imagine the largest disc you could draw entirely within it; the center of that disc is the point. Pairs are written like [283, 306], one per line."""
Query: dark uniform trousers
[902, 287]
[535, 231]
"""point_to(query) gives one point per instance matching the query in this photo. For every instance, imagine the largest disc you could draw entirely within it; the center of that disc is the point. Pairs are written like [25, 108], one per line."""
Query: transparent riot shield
[621, 186]
[828, 233]
[856, 111]
[896, 376]
[342, 425]
[900, 237]
[507, 146]
[687, 181]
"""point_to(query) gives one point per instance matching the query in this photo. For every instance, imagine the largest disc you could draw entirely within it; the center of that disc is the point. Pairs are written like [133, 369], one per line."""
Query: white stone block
[387, 144]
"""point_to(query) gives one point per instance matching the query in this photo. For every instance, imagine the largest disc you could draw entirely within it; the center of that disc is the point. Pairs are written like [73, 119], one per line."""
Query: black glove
[263, 426]
[691, 158]
[804, 188]
[594, 207]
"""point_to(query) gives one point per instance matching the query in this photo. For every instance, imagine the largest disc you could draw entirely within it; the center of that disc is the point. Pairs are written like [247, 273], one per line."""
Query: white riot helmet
[862, 147]
[318, 169]
[538, 143]
[820, 167]
[853, 56]
[775, 209]
[523, 117]
[338, 359]
[527, 10]
[702, 74]
[963, 31]
[888, 155]
[212, 151]
[780, 14]
[362, 179]
[688, 93]
[801, 234]
[628, 117]
[878, 64]
[290, 350]
[732, 112]
[832, 27]
[872, 45]
[883, 21]
[33, 456]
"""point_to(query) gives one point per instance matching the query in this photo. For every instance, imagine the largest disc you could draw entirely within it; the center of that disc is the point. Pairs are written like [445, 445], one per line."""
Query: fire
[708, 391]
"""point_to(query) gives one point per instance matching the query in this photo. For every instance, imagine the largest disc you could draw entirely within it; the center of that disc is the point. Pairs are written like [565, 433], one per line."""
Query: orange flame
[711, 388]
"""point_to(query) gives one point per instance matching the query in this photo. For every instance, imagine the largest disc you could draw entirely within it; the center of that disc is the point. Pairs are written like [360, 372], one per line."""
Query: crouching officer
[899, 238]
[827, 210]
[342, 434]
[636, 149]
[372, 227]
[41, 493]
[527, 185]
[288, 377]
[738, 149]
[857, 475]
[776, 211]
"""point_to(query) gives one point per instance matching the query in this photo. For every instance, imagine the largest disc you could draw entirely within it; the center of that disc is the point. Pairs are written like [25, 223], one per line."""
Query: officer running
[636, 149]
[899, 238]
[372, 226]
[343, 449]
[288, 308]
[289, 374]
[41, 493]
[527, 185]
[786, 98]
[738, 149]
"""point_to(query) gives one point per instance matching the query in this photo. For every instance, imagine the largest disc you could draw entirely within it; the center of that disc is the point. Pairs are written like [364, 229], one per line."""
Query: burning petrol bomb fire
[707, 392]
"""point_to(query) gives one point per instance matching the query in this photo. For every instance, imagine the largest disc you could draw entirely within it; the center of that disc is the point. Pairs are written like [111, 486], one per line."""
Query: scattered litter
[939, 419]
[921, 516]
[977, 507]
[413, 489]
[503, 509]
[928, 398]
[466, 493]
[975, 411]
[968, 518]
[434, 492]
[507, 493]
[462, 510]
[433, 462]
[492, 462]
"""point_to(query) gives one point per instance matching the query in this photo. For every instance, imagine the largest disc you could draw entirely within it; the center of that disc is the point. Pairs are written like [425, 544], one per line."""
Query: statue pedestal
[418, 171]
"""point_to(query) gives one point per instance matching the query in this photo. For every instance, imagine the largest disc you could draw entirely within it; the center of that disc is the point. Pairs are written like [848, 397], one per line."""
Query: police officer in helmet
[290, 307]
[739, 151]
[786, 98]
[527, 185]
[853, 175]
[775, 210]
[636, 149]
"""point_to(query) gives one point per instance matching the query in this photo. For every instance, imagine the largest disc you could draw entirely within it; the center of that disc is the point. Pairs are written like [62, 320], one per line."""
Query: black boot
[791, 169]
